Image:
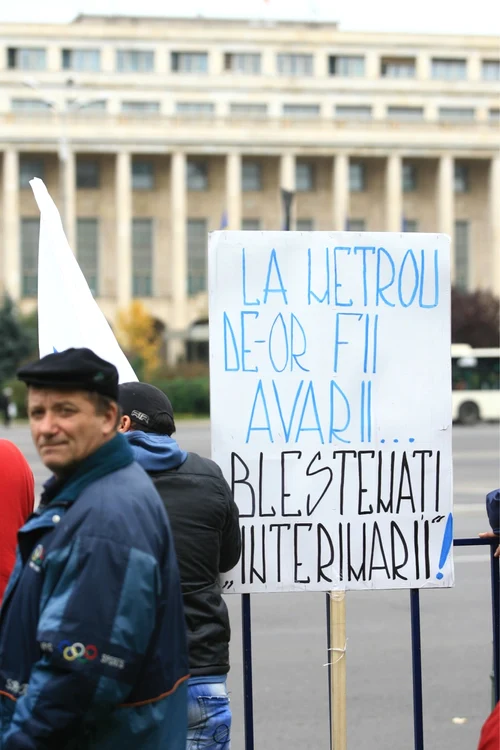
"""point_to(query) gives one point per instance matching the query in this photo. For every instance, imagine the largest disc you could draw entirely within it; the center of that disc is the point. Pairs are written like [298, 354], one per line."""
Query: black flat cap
[144, 403]
[73, 369]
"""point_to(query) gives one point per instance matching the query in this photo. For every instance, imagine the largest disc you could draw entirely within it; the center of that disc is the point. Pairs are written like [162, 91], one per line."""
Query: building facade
[149, 133]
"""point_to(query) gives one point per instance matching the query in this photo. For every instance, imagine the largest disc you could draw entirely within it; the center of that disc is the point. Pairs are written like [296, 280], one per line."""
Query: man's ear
[125, 424]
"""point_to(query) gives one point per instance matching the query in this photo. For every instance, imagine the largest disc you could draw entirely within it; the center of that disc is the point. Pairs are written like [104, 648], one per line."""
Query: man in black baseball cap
[205, 525]
[84, 628]
[147, 407]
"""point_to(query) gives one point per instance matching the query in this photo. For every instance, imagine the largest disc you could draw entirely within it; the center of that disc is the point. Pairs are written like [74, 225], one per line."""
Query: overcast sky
[438, 16]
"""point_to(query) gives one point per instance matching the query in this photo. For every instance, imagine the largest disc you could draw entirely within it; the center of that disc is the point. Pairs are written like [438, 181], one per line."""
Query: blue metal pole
[495, 604]
[247, 670]
[329, 656]
[416, 657]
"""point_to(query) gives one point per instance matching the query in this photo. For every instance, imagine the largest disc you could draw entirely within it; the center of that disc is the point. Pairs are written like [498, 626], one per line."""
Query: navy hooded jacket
[92, 637]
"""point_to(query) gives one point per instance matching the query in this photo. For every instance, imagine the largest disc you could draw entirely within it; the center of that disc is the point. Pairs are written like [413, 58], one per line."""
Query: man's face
[66, 427]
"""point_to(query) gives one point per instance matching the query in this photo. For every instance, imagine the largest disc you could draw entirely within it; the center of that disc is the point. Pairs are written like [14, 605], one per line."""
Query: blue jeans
[209, 714]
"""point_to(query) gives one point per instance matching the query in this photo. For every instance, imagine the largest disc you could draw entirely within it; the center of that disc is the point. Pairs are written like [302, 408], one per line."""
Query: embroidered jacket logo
[37, 558]
[77, 651]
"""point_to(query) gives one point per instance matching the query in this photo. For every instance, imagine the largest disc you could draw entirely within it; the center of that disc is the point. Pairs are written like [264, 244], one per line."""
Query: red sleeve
[490, 735]
[17, 494]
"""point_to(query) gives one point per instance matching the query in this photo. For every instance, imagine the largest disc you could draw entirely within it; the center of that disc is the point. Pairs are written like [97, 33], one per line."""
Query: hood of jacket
[155, 452]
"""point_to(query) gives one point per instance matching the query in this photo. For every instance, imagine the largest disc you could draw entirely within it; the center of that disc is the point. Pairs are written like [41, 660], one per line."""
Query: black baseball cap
[144, 404]
[72, 369]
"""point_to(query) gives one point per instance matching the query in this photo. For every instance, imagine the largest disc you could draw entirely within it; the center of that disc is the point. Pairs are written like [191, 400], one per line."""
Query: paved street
[289, 637]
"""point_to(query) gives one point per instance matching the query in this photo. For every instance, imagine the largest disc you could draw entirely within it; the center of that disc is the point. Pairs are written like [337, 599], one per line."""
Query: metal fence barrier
[416, 654]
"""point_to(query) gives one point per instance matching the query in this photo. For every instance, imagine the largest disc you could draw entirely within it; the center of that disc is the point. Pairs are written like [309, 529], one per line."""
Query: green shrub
[188, 396]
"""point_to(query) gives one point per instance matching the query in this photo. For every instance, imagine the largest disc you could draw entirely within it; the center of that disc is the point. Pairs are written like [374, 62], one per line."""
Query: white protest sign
[330, 373]
[68, 315]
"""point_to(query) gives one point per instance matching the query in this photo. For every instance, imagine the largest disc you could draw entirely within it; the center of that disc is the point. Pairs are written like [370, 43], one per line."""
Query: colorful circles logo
[38, 554]
[77, 651]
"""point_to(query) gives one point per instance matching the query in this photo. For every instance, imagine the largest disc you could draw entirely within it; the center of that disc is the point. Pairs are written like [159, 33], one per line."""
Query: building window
[195, 109]
[143, 174]
[142, 257]
[26, 58]
[461, 178]
[140, 108]
[405, 114]
[88, 60]
[305, 225]
[409, 178]
[197, 175]
[353, 112]
[135, 61]
[251, 176]
[248, 110]
[242, 62]
[295, 65]
[87, 173]
[494, 115]
[490, 70]
[28, 106]
[92, 107]
[251, 225]
[357, 177]
[189, 62]
[87, 247]
[304, 177]
[356, 225]
[410, 225]
[397, 67]
[30, 230]
[30, 167]
[197, 348]
[301, 110]
[456, 114]
[197, 255]
[462, 254]
[443, 69]
[351, 66]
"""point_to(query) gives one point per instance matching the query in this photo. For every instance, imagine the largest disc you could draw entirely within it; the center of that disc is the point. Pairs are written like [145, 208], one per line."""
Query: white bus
[475, 384]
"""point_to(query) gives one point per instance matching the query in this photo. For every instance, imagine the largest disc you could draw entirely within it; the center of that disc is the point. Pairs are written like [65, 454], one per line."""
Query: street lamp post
[64, 143]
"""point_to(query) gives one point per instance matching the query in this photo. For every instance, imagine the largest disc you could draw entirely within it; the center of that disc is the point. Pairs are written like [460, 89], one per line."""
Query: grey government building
[151, 132]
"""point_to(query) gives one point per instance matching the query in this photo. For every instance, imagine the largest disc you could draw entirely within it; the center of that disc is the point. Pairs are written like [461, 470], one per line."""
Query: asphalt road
[289, 637]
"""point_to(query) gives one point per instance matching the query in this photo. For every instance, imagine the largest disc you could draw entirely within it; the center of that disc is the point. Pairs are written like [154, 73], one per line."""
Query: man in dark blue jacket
[92, 638]
[205, 525]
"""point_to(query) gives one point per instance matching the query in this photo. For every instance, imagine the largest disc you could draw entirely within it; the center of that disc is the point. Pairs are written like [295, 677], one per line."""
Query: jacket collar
[113, 455]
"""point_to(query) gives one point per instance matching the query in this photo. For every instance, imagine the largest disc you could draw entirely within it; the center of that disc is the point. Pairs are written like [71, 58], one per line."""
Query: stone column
[372, 66]
[123, 253]
[53, 58]
[108, 59]
[11, 235]
[178, 211]
[340, 192]
[393, 194]
[494, 206]
[445, 203]
[423, 66]
[233, 190]
[474, 67]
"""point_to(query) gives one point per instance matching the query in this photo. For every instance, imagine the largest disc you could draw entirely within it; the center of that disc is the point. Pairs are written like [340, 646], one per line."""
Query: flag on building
[68, 315]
